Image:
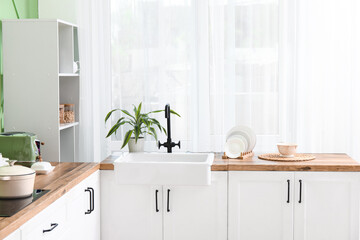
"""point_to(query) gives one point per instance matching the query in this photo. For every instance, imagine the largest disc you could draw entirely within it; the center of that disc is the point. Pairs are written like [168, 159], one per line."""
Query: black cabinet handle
[156, 201]
[90, 198]
[288, 189]
[168, 200]
[300, 181]
[53, 226]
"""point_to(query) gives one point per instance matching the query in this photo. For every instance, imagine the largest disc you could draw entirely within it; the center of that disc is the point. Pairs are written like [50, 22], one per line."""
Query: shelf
[68, 74]
[68, 125]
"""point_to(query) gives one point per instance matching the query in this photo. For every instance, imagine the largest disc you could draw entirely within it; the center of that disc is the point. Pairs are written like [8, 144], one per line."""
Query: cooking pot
[16, 181]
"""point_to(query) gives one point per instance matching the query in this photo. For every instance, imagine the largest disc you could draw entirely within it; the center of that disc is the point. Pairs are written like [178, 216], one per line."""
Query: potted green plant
[141, 124]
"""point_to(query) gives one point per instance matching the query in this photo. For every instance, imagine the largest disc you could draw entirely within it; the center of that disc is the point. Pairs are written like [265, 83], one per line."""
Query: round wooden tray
[297, 158]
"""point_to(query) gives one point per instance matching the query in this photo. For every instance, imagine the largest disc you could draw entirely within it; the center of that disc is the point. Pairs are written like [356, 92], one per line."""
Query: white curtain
[244, 82]
[95, 93]
[154, 62]
[214, 61]
[288, 69]
[327, 79]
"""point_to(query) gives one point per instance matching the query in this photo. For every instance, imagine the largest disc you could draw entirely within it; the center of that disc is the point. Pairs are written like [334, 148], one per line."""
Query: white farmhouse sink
[164, 168]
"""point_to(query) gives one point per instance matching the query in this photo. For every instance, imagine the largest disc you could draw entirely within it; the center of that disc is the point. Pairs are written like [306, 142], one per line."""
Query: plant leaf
[156, 111]
[127, 113]
[127, 138]
[173, 112]
[154, 132]
[130, 122]
[145, 121]
[150, 133]
[115, 127]
[164, 130]
[135, 110]
[138, 110]
[112, 130]
[109, 114]
[120, 119]
[136, 133]
[156, 122]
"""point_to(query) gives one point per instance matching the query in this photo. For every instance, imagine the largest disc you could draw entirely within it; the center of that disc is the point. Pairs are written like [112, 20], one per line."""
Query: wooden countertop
[328, 162]
[67, 175]
[64, 177]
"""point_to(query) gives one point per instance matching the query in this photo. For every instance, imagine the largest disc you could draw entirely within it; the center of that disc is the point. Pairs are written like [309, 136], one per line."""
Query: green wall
[26, 9]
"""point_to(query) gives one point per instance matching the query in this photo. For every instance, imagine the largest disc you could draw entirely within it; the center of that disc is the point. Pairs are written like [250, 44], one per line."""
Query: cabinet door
[83, 218]
[196, 212]
[75, 214]
[260, 205]
[92, 207]
[130, 212]
[328, 207]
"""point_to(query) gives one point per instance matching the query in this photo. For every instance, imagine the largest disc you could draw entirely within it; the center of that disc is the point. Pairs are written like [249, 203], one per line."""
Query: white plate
[234, 146]
[238, 135]
[247, 132]
[245, 136]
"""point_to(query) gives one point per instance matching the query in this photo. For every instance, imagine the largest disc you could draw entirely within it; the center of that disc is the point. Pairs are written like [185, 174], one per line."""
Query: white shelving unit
[38, 61]
[68, 74]
[68, 125]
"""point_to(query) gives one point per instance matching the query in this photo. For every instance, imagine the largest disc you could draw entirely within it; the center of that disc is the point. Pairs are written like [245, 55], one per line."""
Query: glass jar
[69, 113]
[61, 114]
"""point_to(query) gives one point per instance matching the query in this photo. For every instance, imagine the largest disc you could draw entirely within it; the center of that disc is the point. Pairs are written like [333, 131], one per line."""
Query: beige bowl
[287, 149]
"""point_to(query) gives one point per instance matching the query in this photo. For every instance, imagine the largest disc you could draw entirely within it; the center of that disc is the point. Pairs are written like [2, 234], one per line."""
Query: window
[256, 65]
[215, 62]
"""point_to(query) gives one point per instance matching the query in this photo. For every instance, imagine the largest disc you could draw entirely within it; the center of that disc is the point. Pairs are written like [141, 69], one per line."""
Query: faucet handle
[178, 144]
[160, 144]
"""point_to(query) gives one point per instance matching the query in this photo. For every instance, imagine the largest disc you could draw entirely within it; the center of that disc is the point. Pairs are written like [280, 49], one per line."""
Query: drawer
[52, 220]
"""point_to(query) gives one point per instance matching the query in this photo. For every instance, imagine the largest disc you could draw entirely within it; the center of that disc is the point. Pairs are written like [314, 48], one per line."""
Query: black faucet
[168, 144]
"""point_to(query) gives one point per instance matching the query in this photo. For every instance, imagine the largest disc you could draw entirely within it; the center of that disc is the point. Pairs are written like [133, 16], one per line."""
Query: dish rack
[242, 156]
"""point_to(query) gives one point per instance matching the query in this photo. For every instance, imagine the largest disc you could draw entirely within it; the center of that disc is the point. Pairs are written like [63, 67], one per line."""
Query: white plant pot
[136, 147]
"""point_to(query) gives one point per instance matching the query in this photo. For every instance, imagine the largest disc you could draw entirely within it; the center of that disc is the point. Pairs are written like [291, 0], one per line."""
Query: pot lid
[15, 170]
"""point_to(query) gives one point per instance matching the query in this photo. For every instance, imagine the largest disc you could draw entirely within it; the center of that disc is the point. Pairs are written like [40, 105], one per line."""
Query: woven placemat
[297, 158]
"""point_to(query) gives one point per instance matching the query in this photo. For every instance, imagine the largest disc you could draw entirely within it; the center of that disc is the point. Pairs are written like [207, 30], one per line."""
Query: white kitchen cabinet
[136, 212]
[293, 205]
[260, 205]
[328, 208]
[92, 201]
[65, 219]
[196, 212]
[83, 210]
[76, 212]
[129, 211]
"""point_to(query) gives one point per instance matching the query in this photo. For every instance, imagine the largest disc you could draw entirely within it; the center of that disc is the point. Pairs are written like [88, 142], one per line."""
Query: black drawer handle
[90, 198]
[300, 181]
[53, 226]
[156, 200]
[168, 200]
[288, 189]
